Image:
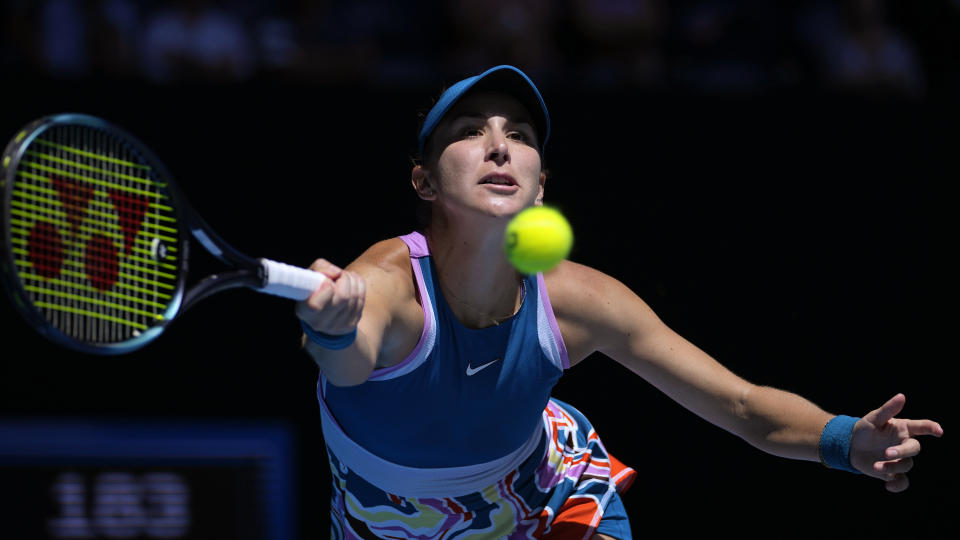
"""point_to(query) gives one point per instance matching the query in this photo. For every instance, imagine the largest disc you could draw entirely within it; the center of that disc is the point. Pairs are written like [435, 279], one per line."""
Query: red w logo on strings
[101, 261]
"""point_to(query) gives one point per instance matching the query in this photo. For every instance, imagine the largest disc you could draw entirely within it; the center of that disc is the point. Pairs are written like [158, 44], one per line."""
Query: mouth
[499, 179]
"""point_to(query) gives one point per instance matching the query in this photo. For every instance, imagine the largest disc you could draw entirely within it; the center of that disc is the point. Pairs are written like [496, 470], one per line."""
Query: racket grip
[289, 281]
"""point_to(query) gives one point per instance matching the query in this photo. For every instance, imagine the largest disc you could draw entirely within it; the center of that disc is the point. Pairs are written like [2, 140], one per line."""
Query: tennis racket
[96, 239]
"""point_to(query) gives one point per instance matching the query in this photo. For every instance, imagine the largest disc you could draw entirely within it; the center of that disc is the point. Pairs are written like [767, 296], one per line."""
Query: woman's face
[488, 160]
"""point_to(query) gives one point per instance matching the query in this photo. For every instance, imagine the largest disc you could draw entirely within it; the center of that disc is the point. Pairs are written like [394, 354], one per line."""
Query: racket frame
[266, 276]
[12, 155]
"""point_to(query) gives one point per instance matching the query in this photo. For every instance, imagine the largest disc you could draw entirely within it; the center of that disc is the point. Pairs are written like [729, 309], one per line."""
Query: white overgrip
[289, 281]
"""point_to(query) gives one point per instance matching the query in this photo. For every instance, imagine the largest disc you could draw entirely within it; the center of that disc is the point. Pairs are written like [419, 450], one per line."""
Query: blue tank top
[463, 396]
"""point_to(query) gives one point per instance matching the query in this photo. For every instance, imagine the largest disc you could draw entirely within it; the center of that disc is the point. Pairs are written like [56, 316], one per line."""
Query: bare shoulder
[575, 287]
[386, 261]
[392, 252]
[592, 308]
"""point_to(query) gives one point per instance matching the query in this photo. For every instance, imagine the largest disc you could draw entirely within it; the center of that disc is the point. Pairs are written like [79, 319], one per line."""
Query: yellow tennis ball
[537, 239]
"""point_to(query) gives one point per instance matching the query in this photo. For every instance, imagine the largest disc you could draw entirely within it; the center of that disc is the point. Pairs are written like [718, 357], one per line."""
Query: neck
[481, 286]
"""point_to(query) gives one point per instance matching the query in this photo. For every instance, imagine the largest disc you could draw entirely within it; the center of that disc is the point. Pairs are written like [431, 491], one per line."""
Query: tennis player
[437, 359]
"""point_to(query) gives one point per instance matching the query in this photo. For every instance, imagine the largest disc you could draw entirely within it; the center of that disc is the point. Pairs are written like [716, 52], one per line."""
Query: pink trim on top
[552, 319]
[417, 244]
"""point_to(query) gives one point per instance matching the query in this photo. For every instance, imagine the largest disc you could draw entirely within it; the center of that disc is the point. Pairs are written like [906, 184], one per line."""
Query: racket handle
[289, 281]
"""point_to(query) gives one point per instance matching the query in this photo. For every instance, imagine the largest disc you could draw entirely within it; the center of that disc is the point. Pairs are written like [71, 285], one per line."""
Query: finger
[897, 483]
[357, 299]
[924, 427]
[341, 291]
[346, 300]
[348, 291]
[350, 312]
[898, 466]
[363, 295]
[326, 268]
[907, 448]
[887, 411]
[356, 296]
[320, 298]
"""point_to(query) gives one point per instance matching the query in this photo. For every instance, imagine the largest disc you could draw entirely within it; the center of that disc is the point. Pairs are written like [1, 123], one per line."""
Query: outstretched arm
[598, 313]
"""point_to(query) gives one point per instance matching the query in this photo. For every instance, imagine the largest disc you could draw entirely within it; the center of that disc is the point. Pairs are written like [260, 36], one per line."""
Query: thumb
[887, 411]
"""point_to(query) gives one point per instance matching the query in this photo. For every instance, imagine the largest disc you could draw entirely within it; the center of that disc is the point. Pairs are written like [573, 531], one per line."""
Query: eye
[470, 132]
[521, 136]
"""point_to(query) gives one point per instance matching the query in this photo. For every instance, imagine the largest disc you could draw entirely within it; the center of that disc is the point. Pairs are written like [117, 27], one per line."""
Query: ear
[420, 179]
[543, 180]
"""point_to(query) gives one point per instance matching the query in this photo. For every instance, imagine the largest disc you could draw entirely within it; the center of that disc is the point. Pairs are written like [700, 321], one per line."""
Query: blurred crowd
[883, 47]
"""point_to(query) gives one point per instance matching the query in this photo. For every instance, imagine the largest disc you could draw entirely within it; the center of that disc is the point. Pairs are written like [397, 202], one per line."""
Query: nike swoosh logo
[473, 370]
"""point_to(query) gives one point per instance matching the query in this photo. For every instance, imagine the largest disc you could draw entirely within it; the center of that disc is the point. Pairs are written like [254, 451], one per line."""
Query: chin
[507, 211]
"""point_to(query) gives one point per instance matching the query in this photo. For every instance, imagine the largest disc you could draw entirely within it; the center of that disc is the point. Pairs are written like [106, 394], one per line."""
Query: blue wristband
[835, 443]
[327, 341]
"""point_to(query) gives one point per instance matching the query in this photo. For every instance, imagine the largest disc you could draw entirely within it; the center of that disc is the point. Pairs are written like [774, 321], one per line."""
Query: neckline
[505, 323]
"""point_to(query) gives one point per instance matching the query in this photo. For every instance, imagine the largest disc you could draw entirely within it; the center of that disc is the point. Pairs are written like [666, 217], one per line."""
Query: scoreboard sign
[123, 479]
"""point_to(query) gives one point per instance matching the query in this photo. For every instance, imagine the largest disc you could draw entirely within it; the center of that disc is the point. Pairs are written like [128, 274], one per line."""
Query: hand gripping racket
[95, 236]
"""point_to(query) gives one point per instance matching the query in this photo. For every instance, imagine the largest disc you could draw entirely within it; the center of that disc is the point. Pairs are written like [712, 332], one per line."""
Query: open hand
[883, 446]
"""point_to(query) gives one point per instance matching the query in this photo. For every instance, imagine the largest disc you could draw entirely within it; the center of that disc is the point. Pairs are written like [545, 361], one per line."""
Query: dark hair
[416, 157]
[424, 210]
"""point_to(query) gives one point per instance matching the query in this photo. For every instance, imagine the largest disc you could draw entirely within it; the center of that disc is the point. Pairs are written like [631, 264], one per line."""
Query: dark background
[780, 204]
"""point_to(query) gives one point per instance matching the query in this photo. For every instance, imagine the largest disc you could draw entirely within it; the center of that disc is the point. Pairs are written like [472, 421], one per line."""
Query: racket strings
[94, 235]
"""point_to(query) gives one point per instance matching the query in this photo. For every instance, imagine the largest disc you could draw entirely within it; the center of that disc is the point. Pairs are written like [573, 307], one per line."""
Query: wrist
[834, 445]
[333, 342]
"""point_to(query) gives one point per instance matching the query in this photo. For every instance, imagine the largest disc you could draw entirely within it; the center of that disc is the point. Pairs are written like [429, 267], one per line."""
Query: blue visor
[506, 79]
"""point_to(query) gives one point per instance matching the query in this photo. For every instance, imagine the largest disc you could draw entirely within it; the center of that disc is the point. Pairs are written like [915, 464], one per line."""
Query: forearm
[344, 367]
[782, 423]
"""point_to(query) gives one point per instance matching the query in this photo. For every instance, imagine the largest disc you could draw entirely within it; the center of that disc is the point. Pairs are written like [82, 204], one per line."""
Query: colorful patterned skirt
[568, 488]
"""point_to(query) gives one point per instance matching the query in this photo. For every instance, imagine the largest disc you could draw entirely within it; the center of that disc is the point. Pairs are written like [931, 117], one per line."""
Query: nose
[497, 148]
